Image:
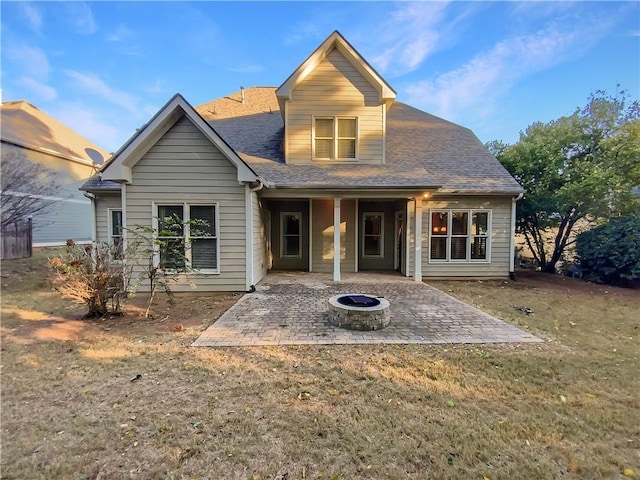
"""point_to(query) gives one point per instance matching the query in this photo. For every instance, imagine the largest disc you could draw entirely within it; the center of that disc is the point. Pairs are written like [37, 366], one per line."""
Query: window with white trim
[459, 235]
[373, 234]
[291, 234]
[335, 138]
[189, 237]
[115, 233]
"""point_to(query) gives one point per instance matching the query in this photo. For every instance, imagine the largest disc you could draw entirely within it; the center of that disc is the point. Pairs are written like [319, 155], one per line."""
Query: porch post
[417, 244]
[336, 239]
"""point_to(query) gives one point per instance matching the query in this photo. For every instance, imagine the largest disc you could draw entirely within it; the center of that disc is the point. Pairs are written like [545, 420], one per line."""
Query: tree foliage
[610, 253]
[581, 166]
[28, 188]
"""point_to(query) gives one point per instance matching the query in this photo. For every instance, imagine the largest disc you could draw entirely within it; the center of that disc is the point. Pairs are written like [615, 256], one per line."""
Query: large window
[115, 233]
[373, 234]
[291, 234]
[459, 235]
[188, 237]
[335, 138]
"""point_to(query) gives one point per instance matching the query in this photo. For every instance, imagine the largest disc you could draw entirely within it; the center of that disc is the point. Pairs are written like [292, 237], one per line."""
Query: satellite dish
[94, 155]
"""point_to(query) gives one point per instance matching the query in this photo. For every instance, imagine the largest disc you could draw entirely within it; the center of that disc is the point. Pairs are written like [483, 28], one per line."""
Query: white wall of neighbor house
[335, 88]
[185, 167]
[500, 235]
[323, 231]
[70, 214]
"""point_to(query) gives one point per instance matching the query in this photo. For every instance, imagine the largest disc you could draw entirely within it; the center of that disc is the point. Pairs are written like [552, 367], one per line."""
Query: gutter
[512, 243]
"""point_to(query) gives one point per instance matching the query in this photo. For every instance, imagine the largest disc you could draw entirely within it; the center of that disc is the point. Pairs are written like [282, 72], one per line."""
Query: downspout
[94, 230]
[257, 188]
[512, 245]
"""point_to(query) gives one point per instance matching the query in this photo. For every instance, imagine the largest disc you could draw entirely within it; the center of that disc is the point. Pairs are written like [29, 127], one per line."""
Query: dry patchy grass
[127, 398]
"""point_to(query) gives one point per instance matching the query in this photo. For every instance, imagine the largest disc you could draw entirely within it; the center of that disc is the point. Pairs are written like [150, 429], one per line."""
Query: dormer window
[335, 138]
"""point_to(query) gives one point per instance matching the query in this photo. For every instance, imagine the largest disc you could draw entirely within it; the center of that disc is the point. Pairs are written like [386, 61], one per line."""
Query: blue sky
[104, 68]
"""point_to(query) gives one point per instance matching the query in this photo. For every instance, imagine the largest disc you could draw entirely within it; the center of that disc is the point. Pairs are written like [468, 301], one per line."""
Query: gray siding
[260, 253]
[335, 88]
[499, 238]
[183, 166]
[322, 235]
[105, 202]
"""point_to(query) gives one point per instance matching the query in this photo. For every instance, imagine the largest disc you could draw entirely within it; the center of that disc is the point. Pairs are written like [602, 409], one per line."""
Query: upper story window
[335, 138]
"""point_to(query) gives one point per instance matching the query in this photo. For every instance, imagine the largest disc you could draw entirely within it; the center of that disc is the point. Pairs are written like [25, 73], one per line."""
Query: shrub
[89, 276]
[610, 253]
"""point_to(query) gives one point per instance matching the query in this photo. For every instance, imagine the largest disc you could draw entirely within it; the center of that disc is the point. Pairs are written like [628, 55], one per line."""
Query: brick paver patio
[291, 309]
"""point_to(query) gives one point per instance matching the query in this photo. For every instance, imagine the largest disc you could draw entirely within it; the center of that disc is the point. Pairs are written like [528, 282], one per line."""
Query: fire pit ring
[358, 311]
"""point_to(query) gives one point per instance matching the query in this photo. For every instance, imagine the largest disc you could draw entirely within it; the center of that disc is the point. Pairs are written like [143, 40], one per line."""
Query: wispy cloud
[33, 16]
[94, 85]
[410, 34]
[88, 122]
[302, 31]
[81, 17]
[247, 69]
[478, 84]
[33, 61]
[120, 34]
[40, 90]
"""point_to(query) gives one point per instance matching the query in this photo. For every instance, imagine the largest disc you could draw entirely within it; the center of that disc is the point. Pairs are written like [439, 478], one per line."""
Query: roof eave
[283, 92]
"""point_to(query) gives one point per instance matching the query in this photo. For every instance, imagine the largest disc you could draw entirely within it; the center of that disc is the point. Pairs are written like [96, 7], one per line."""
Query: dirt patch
[545, 281]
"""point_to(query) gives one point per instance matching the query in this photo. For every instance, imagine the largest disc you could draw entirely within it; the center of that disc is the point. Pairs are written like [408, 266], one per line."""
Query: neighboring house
[326, 173]
[39, 138]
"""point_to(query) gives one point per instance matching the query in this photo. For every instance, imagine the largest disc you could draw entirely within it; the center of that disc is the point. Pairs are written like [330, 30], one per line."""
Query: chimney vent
[242, 94]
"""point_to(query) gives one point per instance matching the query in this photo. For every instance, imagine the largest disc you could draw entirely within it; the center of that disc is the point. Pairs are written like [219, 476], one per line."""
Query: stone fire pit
[358, 311]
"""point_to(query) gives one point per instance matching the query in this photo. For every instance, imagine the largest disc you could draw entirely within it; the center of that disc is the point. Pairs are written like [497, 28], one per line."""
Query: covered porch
[340, 233]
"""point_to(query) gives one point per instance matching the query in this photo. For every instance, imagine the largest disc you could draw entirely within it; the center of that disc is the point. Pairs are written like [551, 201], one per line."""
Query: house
[36, 137]
[326, 173]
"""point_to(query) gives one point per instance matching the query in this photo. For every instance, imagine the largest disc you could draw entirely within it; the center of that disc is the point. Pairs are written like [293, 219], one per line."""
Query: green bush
[610, 253]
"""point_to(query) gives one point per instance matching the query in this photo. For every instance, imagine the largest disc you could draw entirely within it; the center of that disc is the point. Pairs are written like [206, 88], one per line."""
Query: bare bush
[90, 276]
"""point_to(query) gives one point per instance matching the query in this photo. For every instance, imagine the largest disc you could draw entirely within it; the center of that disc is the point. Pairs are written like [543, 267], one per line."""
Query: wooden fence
[17, 240]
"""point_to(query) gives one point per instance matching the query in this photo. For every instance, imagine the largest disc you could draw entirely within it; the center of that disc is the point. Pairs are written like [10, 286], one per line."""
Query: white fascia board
[120, 167]
[387, 94]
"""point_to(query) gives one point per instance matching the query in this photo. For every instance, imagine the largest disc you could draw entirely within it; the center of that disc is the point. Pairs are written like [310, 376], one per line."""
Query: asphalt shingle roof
[421, 150]
[26, 125]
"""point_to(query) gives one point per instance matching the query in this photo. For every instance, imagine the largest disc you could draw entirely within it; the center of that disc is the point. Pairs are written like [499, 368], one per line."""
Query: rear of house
[327, 173]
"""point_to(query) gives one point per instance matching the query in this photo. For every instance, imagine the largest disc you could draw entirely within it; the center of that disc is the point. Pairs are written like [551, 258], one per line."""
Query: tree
[28, 188]
[160, 257]
[581, 166]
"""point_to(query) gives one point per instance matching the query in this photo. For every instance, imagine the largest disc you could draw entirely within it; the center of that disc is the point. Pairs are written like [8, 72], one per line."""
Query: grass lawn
[129, 398]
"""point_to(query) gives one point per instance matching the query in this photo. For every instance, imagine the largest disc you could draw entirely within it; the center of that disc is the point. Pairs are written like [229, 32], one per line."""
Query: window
[459, 235]
[335, 138]
[373, 234]
[115, 233]
[189, 235]
[291, 234]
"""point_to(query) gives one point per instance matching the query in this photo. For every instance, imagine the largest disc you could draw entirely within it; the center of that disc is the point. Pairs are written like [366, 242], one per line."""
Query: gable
[336, 80]
[177, 109]
[336, 41]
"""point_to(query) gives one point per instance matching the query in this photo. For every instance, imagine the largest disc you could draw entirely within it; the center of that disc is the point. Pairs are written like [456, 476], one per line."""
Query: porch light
[426, 194]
